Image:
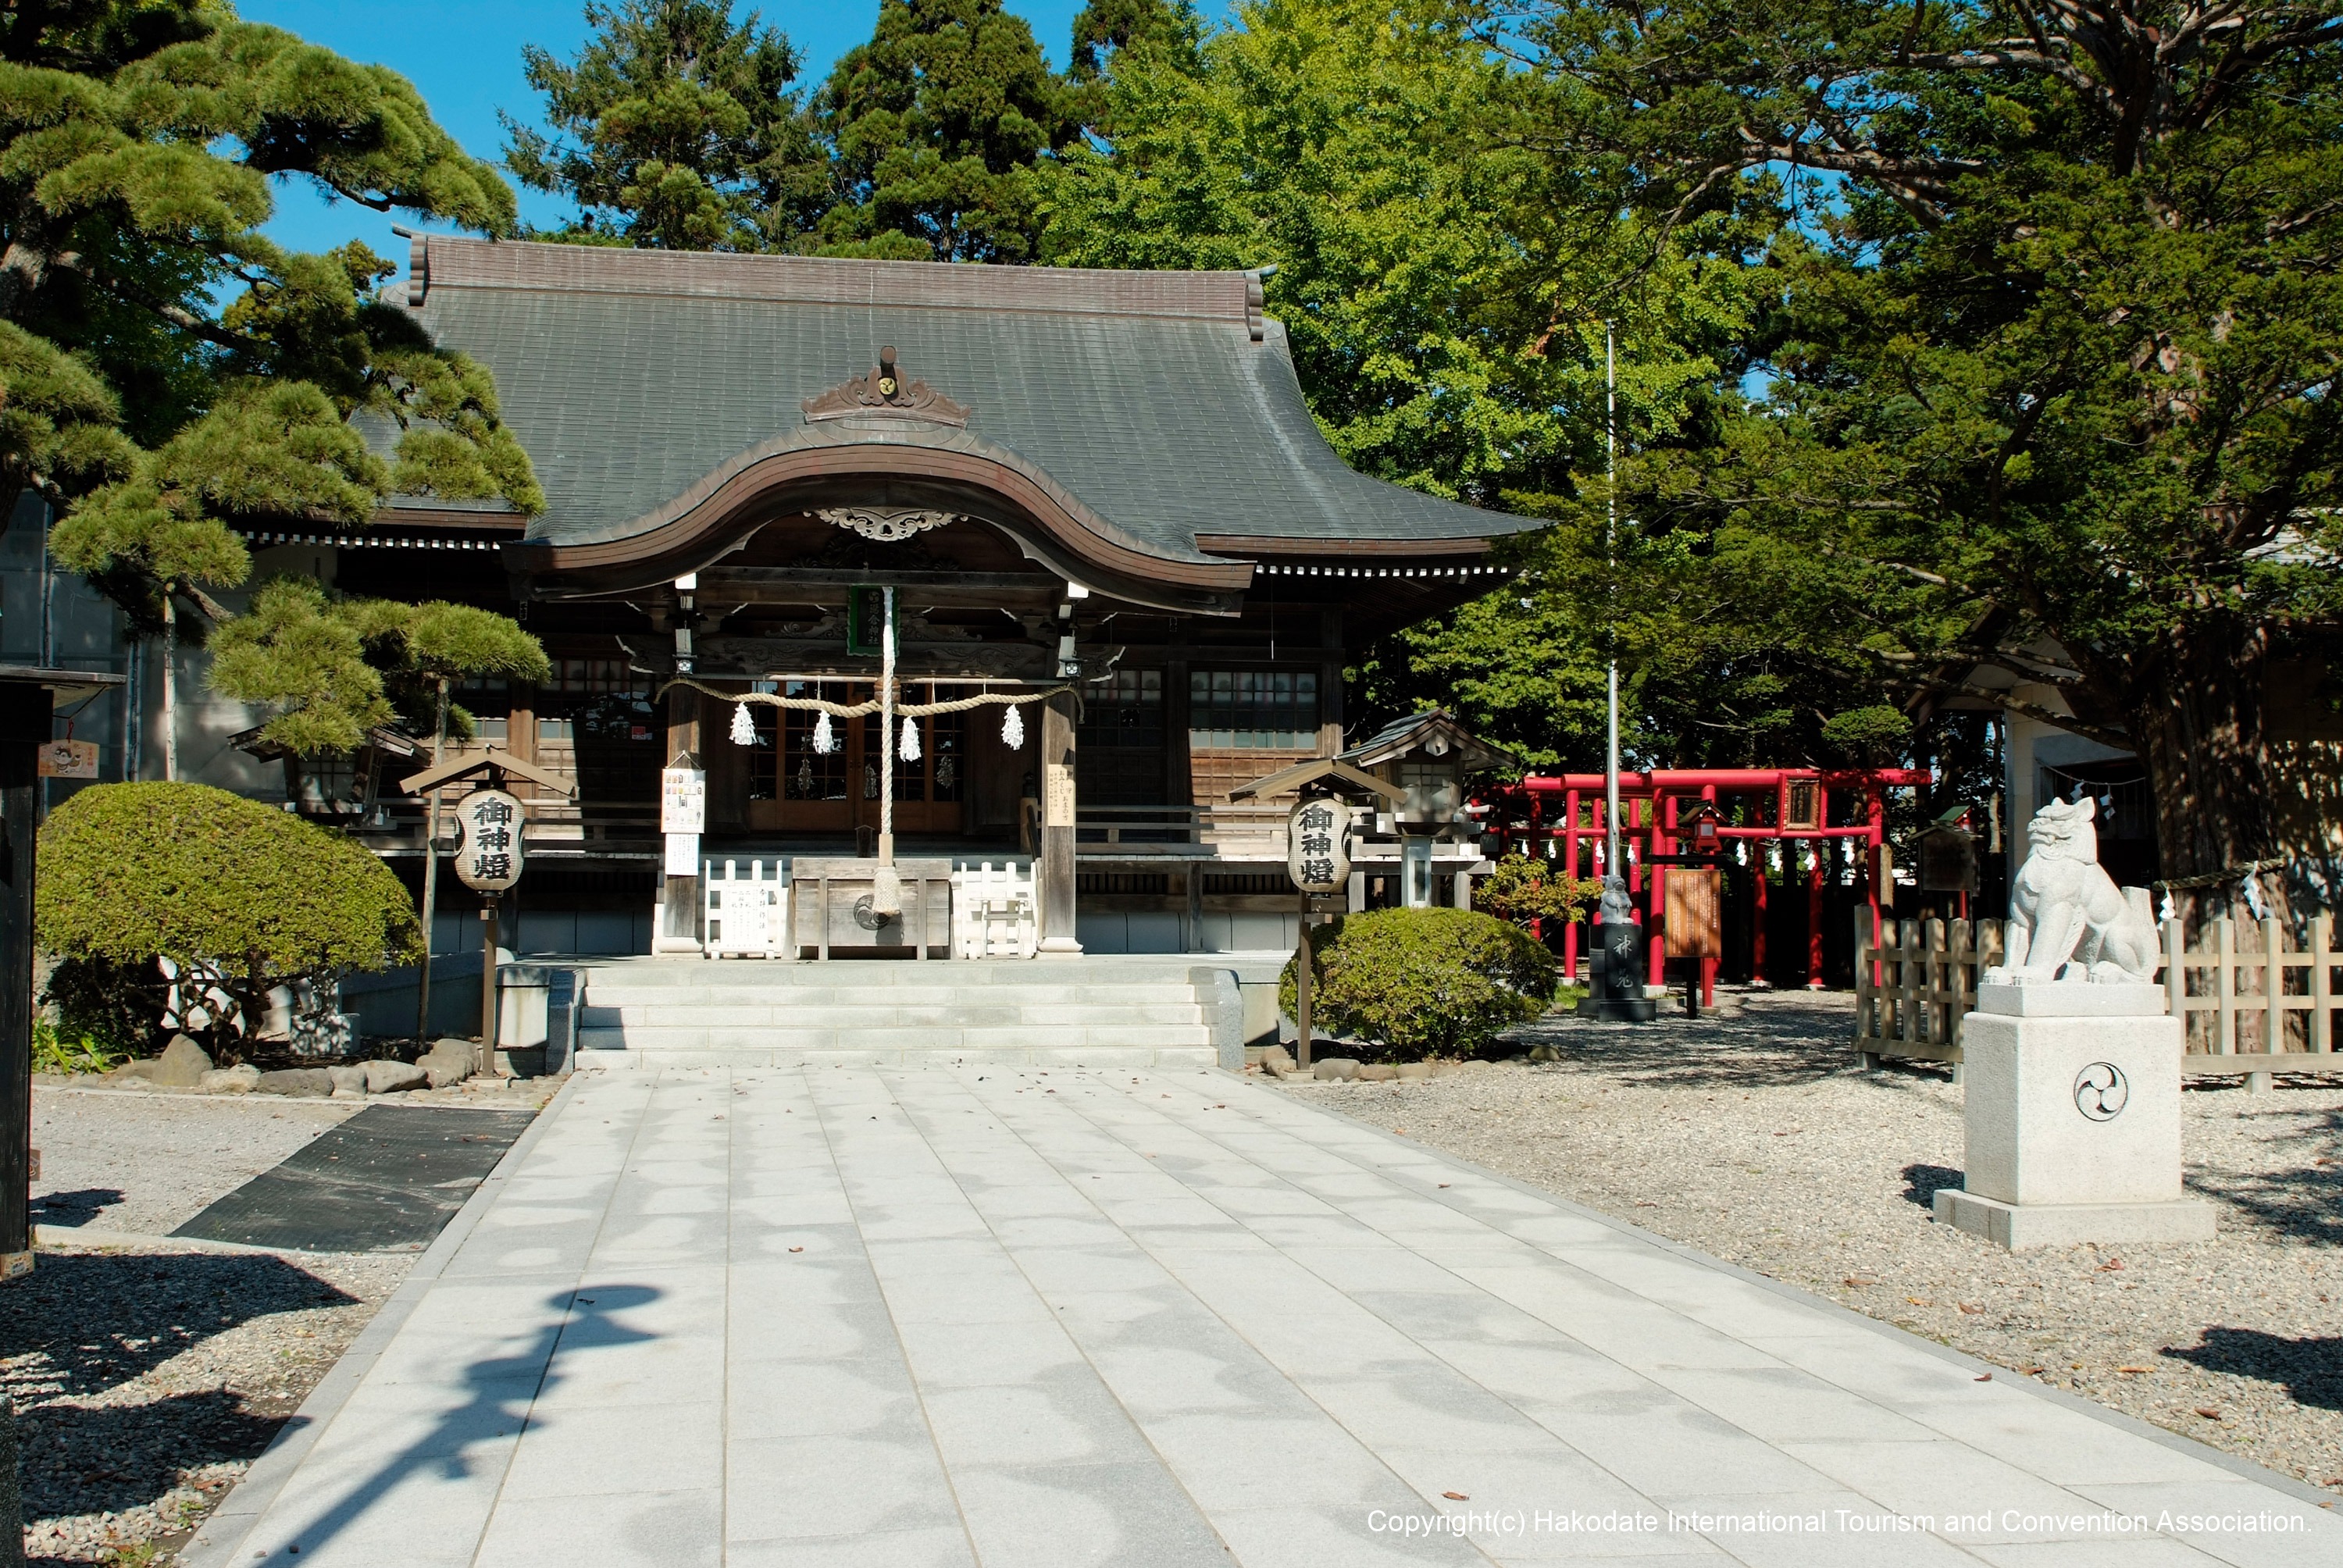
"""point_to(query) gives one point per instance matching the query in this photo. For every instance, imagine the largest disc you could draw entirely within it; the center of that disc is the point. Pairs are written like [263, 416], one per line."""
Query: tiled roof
[1163, 404]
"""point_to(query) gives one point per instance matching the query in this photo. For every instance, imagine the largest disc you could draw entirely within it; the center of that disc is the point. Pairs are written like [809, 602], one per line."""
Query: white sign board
[751, 915]
[488, 857]
[682, 855]
[683, 803]
[1318, 846]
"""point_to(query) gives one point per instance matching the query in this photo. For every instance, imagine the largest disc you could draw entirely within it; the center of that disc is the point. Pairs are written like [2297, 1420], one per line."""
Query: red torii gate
[1649, 806]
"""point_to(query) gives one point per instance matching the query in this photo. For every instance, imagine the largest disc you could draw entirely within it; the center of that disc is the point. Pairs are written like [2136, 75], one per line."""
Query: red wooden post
[1876, 809]
[1814, 847]
[1708, 965]
[1662, 842]
[1537, 923]
[1570, 869]
[1758, 852]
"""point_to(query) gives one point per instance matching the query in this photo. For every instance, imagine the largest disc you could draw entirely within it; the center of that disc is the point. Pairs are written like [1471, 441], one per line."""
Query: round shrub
[1423, 982]
[130, 872]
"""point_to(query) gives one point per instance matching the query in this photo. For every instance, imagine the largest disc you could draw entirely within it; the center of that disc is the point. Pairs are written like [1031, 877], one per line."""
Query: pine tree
[140, 137]
[675, 129]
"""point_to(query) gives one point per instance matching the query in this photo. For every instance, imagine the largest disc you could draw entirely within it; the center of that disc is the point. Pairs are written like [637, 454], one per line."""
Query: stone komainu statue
[2067, 918]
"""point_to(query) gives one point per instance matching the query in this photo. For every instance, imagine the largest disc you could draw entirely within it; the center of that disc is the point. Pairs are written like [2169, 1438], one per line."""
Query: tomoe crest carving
[885, 393]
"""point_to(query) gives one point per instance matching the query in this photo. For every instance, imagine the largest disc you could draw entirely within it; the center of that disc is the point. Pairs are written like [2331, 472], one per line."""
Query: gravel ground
[1752, 1135]
[145, 1162]
[147, 1381]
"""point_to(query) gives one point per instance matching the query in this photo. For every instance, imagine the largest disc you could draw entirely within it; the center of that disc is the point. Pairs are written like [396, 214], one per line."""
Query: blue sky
[464, 56]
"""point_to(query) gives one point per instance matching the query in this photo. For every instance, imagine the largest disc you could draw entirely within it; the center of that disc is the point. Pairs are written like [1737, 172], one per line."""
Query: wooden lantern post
[491, 854]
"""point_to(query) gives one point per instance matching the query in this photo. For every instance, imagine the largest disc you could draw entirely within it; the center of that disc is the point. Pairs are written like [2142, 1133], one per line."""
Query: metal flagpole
[1610, 524]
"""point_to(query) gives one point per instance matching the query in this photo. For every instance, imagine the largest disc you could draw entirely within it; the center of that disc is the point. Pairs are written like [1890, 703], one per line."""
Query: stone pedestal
[1615, 992]
[2073, 1118]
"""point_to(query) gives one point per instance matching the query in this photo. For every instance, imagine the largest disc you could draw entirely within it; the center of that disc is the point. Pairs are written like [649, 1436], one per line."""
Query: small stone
[239, 1080]
[349, 1082]
[1334, 1069]
[1412, 1069]
[1544, 1053]
[1479, 1061]
[182, 1064]
[302, 1082]
[1377, 1072]
[386, 1077]
[450, 1062]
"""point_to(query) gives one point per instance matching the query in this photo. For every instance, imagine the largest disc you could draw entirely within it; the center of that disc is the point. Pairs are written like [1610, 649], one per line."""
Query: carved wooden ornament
[887, 525]
[886, 394]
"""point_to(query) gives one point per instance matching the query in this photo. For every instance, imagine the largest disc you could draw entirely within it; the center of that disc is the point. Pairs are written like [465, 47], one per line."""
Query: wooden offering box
[830, 914]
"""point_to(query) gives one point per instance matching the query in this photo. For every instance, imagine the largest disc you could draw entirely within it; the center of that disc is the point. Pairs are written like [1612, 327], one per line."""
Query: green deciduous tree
[1443, 285]
[2052, 359]
[937, 124]
[675, 127]
[140, 137]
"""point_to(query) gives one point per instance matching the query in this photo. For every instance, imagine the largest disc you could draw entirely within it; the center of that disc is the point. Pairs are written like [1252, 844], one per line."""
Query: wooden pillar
[1760, 854]
[1055, 881]
[1179, 776]
[25, 723]
[1330, 682]
[679, 902]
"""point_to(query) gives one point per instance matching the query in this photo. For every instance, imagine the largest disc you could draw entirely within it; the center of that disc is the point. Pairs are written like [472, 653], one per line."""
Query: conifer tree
[675, 129]
[937, 124]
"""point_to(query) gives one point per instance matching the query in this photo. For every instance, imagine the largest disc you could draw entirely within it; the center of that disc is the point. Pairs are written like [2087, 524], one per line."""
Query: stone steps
[784, 1014]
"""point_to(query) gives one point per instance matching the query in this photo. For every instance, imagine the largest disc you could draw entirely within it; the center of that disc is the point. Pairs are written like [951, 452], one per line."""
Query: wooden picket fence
[2262, 1007]
[1911, 988]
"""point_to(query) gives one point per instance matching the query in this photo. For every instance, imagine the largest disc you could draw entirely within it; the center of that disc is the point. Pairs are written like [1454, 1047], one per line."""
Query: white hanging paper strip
[910, 751]
[823, 741]
[744, 729]
[1012, 730]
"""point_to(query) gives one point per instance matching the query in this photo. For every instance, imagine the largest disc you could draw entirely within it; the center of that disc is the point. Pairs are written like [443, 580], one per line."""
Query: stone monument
[2072, 1064]
[1616, 964]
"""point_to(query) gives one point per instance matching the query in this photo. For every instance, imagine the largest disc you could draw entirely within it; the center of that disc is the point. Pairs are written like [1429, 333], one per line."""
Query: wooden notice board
[1695, 922]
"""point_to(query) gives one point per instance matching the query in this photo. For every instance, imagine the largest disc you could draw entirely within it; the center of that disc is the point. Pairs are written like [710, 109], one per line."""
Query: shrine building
[1100, 492]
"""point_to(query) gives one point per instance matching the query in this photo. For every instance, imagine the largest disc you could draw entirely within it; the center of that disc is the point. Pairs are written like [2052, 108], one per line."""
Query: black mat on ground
[385, 1181]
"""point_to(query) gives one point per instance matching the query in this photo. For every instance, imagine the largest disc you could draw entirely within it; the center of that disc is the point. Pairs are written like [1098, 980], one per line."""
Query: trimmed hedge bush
[1423, 982]
[131, 872]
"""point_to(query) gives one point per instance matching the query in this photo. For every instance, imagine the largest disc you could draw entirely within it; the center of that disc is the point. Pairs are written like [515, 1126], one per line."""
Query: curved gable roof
[1163, 406]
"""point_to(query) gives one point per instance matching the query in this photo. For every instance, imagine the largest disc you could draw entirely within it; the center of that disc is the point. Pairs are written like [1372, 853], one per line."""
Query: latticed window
[1119, 748]
[1253, 709]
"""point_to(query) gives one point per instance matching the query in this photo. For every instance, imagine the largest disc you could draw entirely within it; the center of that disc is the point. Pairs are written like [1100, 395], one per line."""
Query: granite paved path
[957, 1316]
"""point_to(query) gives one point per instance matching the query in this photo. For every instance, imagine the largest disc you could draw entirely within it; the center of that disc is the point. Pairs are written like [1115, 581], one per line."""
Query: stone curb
[2243, 1467]
[223, 1532]
[48, 1238]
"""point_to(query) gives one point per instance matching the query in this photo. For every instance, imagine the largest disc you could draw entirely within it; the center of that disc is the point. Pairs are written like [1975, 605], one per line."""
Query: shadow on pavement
[499, 1392]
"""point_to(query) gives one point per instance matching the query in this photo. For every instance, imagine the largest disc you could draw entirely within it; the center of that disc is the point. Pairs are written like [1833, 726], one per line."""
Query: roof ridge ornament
[884, 392]
[887, 525]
